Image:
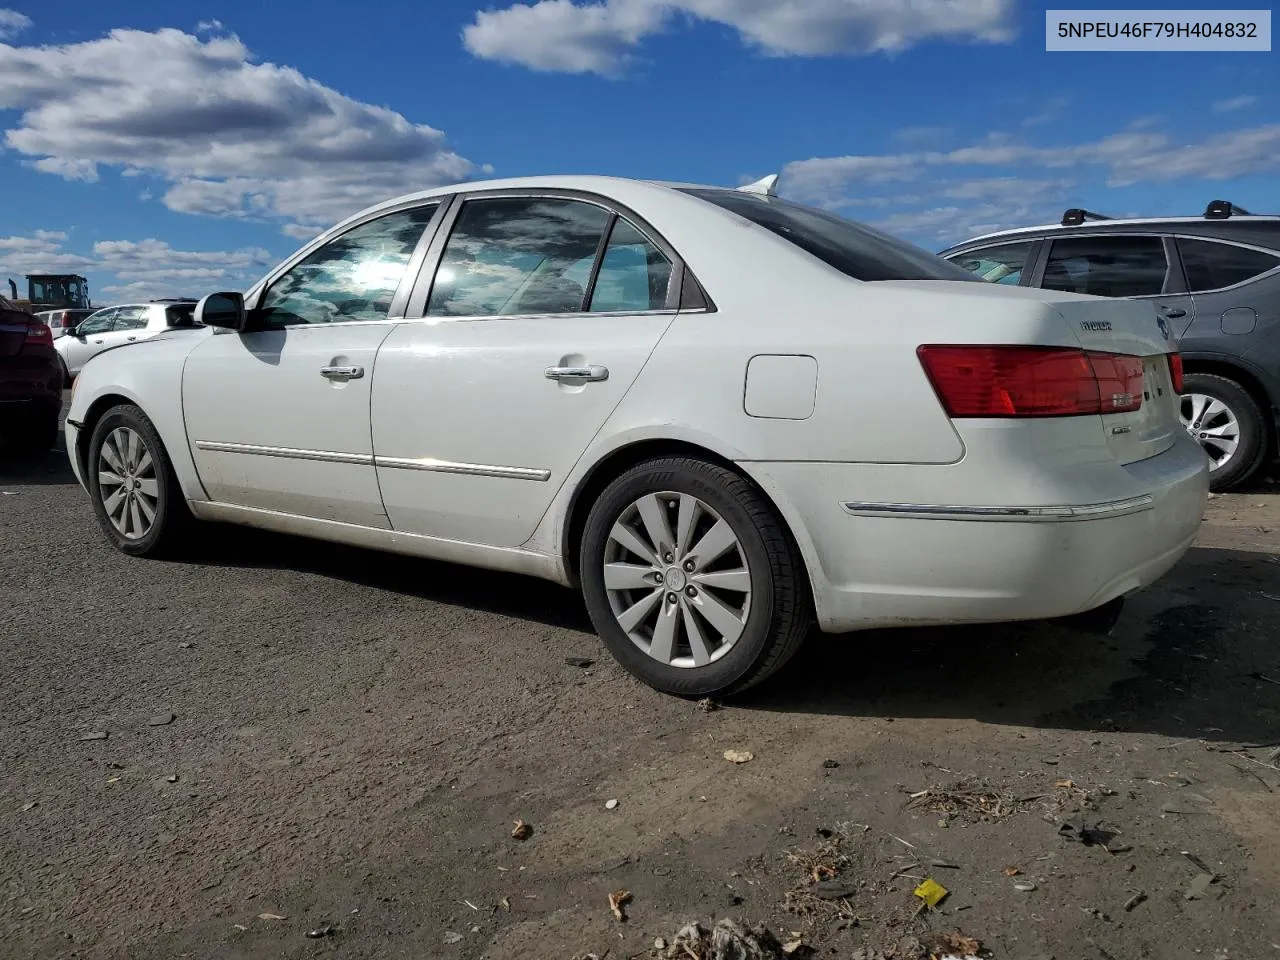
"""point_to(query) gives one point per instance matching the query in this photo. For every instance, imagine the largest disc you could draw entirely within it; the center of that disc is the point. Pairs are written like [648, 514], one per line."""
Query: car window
[1212, 266]
[1107, 266]
[517, 255]
[854, 249]
[1002, 264]
[352, 277]
[634, 274]
[132, 318]
[180, 315]
[100, 322]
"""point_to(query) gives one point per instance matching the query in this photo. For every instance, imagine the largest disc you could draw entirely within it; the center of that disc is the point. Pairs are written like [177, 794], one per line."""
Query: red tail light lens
[66, 320]
[39, 333]
[1175, 371]
[1001, 381]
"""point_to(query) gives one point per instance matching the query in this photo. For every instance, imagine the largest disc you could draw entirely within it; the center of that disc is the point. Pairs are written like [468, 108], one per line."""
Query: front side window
[634, 274]
[352, 277]
[1212, 266]
[1003, 264]
[1107, 266]
[854, 249]
[518, 255]
[99, 323]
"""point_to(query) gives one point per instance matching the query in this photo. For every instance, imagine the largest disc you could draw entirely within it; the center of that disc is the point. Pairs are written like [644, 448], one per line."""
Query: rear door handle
[1173, 314]
[131, 338]
[342, 373]
[592, 373]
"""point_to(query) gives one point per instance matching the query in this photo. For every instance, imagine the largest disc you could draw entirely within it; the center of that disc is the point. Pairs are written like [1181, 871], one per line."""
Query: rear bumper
[884, 564]
[27, 391]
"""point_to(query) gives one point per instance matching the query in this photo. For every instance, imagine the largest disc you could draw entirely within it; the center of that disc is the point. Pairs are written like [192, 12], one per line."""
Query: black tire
[36, 435]
[172, 520]
[780, 612]
[1252, 449]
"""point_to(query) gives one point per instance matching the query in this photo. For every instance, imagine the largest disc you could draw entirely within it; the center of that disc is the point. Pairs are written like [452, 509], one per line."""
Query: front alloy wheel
[135, 492]
[127, 483]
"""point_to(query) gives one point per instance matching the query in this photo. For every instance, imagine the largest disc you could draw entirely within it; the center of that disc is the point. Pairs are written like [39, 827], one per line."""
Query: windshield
[854, 249]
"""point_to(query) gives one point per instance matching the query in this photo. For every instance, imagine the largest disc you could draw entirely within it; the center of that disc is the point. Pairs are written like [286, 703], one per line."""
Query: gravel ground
[305, 738]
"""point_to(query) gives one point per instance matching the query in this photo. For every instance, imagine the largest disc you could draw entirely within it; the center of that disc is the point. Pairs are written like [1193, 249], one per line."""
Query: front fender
[147, 374]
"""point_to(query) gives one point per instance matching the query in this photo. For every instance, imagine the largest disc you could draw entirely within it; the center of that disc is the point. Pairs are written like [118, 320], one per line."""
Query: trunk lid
[1132, 328]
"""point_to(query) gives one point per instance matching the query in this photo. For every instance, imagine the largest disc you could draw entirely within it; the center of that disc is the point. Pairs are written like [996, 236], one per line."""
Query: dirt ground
[301, 738]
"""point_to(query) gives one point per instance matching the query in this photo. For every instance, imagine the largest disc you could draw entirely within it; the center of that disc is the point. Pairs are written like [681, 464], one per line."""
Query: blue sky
[161, 152]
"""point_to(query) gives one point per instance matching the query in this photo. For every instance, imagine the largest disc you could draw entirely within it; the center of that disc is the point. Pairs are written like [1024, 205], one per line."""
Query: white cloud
[1234, 103]
[1002, 181]
[12, 23]
[232, 137]
[559, 35]
[144, 266]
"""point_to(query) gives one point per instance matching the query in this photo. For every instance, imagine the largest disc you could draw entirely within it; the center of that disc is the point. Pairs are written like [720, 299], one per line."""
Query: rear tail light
[66, 320]
[39, 333]
[1175, 371]
[1006, 381]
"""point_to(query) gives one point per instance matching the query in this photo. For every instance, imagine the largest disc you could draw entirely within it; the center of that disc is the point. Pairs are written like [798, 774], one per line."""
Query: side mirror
[222, 310]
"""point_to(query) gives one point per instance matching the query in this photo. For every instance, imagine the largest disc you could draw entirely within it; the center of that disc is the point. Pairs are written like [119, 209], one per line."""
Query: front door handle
[591, 373]
[1174, 313]
[342, 373]
[131, 338]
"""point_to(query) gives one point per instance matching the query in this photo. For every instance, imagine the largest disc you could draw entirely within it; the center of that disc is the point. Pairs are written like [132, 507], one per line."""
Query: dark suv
[30, 380]
[1214, 279]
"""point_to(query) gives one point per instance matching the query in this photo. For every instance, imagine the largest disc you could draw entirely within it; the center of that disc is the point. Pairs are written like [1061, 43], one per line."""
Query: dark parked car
[1215, 280]
[30, 380]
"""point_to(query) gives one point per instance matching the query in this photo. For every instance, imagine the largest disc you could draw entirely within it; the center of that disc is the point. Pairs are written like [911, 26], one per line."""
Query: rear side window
[1107, 266]
[1002, 264]
[852, 248]
[1212, 266]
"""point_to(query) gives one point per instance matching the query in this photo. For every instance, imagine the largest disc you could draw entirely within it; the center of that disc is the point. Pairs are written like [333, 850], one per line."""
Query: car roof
[1221, 220]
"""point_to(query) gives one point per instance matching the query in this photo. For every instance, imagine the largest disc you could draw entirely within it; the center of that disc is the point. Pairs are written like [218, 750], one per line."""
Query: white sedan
[725, 415]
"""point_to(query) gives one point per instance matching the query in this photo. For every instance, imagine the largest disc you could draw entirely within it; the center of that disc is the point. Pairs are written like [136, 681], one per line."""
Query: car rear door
[541, 314]
[1133, 266]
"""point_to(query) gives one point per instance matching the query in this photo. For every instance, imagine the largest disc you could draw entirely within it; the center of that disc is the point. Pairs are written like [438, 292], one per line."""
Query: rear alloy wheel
[691, 580]
[135, 493]
[1227, 422]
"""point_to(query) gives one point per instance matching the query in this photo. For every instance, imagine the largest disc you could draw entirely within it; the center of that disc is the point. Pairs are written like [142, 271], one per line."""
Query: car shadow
[520, 597]
[1197, 656]
[1194, 657]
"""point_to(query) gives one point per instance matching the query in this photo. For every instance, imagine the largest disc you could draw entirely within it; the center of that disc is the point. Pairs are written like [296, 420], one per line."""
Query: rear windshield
[852, 248]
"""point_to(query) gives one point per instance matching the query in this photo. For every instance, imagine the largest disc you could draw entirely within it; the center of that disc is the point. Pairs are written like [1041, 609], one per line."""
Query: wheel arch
[617, 461]
[96, 411]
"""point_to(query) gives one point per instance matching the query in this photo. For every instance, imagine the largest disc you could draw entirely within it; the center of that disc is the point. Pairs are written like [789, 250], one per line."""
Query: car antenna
[1224, 210]
[1077, 215]
[765, 186]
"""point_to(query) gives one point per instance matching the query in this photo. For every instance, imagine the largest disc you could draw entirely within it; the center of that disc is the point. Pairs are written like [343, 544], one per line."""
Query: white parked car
[113, 326]
[726, 416]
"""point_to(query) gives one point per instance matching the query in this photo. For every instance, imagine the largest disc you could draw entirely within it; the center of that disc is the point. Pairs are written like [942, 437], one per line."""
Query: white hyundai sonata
[725, 415]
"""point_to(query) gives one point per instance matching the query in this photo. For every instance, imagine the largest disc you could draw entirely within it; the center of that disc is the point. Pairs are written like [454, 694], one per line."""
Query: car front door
[91, 337]
[542, 312]
[278, 416]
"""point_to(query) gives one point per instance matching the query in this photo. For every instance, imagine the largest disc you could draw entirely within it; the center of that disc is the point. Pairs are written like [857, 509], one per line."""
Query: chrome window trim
[1033, 514]
[421, 294]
